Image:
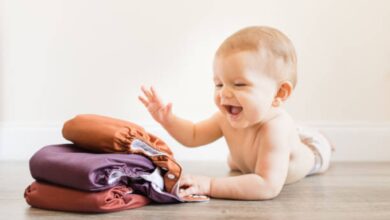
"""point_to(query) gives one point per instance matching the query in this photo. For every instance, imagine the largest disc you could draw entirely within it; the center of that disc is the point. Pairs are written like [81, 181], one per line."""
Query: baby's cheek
[257, 115]
[217, 100]
[256, 111]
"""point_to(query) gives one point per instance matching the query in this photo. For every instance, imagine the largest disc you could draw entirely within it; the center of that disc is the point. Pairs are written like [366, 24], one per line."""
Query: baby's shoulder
[282, 121]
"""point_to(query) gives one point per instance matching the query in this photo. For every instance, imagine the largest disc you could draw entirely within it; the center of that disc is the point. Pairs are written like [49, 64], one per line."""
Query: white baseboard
[353, 142]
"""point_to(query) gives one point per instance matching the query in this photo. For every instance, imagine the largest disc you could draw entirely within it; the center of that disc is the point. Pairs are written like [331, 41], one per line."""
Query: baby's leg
[232, 165]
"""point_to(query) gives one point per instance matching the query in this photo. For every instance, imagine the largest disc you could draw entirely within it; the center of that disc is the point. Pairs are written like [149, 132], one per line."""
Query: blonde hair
[264, 39]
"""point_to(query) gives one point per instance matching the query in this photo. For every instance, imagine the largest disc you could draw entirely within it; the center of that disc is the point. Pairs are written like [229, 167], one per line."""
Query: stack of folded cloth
[112, 165]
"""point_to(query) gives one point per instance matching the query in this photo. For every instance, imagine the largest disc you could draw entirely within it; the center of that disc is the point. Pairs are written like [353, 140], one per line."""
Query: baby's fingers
[154, 93]
[144, 101]
[185, 180]
[147, 93]
[186, 192]
[156, 97]
[168, 108]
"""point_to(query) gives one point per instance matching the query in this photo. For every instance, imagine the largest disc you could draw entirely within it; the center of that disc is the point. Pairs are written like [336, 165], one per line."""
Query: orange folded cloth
[105, 134]
[47, 196]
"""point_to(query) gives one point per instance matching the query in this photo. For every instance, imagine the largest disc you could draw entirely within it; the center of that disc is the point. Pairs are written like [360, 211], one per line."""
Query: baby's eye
[239, 84]
[218, 85]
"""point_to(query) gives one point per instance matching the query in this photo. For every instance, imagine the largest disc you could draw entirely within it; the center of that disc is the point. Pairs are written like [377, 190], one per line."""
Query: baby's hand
[156, 108]
[198, 185]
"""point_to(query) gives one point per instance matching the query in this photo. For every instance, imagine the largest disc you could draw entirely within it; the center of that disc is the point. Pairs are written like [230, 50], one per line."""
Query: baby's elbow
[271, 194]
[190, 144]
[267, 193]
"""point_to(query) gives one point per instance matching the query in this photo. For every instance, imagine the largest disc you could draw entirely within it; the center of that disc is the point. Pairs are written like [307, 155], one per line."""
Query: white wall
[61, 58]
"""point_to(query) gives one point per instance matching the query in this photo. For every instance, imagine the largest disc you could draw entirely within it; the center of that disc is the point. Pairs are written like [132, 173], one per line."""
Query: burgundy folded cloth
[105, 134]
[52, 197]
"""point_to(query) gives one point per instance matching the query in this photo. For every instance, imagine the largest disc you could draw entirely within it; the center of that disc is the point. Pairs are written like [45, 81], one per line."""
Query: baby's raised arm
[186, 132]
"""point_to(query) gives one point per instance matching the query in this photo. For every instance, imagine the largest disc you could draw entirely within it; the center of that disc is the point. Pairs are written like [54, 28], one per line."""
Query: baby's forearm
[244, 187]
[180, 129]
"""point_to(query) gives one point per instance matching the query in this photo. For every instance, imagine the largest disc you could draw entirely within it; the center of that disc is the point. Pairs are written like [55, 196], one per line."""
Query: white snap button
[171, 176]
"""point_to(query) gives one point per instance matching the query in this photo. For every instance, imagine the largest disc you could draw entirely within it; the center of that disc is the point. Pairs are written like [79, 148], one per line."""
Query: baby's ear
[284, 91]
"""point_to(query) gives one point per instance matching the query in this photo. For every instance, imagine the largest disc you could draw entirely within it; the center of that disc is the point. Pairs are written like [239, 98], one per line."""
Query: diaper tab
[161, 158]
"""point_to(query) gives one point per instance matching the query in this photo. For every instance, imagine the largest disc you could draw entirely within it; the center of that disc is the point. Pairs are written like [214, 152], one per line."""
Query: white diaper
[320, 146]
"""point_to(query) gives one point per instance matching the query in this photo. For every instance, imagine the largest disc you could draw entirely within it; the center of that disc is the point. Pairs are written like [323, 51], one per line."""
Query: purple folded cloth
[69, 166]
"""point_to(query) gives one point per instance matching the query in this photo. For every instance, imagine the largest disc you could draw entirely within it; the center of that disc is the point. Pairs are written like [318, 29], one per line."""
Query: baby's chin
[240, 124]
[243, 123]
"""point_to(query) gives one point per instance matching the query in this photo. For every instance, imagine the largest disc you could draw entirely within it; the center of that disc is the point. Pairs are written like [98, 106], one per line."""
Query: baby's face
[244, 92]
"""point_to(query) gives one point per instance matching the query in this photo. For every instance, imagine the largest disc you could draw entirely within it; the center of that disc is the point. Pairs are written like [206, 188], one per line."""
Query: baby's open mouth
[234, 110]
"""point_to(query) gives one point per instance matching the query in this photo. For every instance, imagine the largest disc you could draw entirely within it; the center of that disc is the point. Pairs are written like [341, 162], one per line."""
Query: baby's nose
[226, 92]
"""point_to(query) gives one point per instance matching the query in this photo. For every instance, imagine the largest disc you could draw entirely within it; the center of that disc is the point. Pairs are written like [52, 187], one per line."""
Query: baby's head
[268, 43]
[255, 69]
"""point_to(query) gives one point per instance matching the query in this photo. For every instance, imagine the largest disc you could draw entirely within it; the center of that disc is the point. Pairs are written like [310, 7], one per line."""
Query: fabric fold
[69, 166]
[52, 197]
[104, 134]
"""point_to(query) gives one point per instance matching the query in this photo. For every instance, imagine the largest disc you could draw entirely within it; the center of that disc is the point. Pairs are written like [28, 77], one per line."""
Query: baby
[255, 71]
